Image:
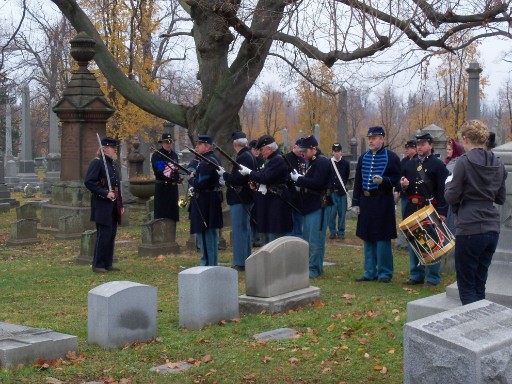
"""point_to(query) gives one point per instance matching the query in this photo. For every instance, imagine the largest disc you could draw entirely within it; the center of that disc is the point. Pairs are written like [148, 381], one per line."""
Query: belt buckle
[366, 193]
[415, 200]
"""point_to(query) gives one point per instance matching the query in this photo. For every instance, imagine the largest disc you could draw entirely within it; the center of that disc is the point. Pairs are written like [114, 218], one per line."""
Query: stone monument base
[158, 249]
[279, 303]
[15, 242]
[24, 345]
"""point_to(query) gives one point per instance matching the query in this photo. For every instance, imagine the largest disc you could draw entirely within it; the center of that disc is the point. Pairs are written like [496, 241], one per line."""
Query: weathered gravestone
[30, 210]
[277, 277]
[277, 334]
[207, 295]
[121, 312]
[24, 345]
[158, 238]
[467, 345]
[23, 232]
[87, 244]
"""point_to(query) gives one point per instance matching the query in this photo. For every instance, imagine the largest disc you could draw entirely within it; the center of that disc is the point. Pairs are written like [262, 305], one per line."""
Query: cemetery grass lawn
[353, 334]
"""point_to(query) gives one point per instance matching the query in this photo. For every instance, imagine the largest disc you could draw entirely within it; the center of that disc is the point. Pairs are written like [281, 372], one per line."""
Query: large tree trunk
[223, 88]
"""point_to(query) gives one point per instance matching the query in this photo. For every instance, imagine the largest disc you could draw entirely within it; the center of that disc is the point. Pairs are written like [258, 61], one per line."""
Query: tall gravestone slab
[121, 312]
[23, 232]
[26, 173]
[207, 295]
[83, 112]
[342, 129]
[25, 345]
[53, 158]
[499, 283]
[277, 277]
[6, 202]
[466, 345]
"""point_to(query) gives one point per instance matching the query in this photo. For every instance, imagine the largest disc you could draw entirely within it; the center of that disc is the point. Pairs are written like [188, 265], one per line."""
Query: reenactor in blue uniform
[410, 153]
[258, 238]
[377, 173]
[314, 186]
[273, 210]
[239, 199]
[298, 163]
[423, 180]
[167, 180]
[106, 205]
[338, 193]
[206, 203]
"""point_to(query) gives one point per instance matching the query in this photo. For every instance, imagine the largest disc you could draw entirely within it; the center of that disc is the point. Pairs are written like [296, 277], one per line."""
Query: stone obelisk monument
[83, 112]
[26, 172]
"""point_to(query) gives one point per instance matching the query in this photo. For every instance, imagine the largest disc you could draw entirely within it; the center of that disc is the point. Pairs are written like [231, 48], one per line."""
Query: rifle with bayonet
[173, 162]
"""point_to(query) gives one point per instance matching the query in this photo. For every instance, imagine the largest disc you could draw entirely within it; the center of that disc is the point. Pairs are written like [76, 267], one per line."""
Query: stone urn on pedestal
[139, 186]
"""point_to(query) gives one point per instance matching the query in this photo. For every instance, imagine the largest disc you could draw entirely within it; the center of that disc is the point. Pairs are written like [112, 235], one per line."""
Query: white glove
[448, 179]
[262, 189]
[244, 171]
[191, 191]
[356, 210]
[295, 175]
[221, 171]
[222, 182]
[377, 179]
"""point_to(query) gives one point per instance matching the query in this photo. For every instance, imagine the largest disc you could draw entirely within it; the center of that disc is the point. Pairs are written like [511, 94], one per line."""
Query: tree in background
[317, 103]
[360, 111]
[452, 85]
[391, 115]
[274, 115]
[248, 32]
[127, 30]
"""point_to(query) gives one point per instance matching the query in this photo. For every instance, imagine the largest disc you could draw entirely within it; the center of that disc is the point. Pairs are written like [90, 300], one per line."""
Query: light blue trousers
[315, 229]
[241, 232]
[208, 241]
[339, 210]
[378, 259]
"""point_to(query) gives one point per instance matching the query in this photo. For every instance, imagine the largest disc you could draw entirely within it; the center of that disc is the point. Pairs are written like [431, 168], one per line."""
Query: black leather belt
[167, 183]
[377, 192]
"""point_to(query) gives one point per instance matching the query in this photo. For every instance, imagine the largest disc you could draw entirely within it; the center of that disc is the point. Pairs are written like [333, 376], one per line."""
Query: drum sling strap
[425, 181]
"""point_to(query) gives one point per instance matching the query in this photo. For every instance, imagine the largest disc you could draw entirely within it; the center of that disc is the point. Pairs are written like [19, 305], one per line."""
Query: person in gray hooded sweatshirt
[478, 182]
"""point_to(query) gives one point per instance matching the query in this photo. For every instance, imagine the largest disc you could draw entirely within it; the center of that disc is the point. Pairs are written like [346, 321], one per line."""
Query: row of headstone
[122, 312]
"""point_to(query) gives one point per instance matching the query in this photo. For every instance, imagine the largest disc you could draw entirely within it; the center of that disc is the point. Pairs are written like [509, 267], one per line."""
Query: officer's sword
[105, 164]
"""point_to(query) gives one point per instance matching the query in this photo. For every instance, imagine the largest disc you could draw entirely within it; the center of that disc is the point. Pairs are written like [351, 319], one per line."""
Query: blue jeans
[403, 203]
[241, 232]
[315, 230]
[298, 223]
[417, 272]
[339, 208]
[473, 255]
[378, 259]
[209, 245]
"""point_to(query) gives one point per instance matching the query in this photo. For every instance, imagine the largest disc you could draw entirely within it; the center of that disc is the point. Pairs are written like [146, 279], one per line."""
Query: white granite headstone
[280, 266]
[121, 312]
[207, 295]
[467, 345]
